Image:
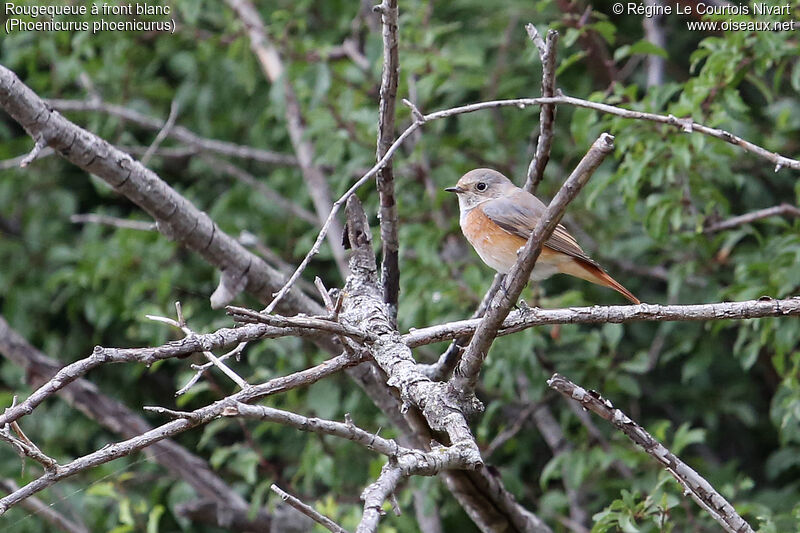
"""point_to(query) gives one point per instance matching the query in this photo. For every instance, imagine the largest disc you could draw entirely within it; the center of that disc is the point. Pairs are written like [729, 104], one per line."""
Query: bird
[497, 218]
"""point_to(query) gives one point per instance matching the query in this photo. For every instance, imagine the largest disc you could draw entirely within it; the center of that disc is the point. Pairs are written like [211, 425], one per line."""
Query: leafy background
[724, 395]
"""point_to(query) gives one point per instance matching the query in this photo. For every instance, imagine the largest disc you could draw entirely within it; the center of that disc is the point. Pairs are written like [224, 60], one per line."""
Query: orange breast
[498, 248]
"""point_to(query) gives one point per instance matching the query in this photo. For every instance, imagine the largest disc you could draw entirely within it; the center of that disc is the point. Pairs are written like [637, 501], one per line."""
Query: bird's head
[479, 185]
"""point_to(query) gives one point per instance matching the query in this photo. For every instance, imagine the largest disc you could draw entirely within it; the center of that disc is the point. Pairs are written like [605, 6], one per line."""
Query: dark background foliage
[723, 395]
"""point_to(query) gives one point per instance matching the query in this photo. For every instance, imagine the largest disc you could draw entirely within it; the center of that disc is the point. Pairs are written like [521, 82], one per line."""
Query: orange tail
[595, 274]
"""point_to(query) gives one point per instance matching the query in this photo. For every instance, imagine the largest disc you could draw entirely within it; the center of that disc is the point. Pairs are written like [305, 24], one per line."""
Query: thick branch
[390, 273]
[481, 494]
[616, 314]
[176, 217]
[701, 490]
[466, 373]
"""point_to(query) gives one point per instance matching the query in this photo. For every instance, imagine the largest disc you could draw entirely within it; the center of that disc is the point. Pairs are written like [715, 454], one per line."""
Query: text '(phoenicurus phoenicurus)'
[497, 217]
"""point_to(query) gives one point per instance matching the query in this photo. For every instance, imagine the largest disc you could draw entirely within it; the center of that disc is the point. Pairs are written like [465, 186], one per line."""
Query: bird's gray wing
[518, 215]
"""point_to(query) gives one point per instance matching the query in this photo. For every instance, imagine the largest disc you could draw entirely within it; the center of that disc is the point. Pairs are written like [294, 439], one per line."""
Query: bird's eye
[481, 186]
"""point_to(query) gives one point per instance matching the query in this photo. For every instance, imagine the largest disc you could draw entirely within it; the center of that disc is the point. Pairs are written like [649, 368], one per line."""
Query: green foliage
[725, 395]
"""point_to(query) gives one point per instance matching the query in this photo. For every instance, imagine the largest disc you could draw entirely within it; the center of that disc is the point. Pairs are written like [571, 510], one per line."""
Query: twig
[202, 369]
[38, 146]
[273, 68]
[345, 430]
[179, 133]
[390, 270]
[181, 324]
[25, 447]
[241, 314]
[14, 162]
[615, 314]
[686, 125]
[331, 216]
[466, 374]
[163, 132]
[701, 490]
[92, 218]
[323, 292]
[307, 510]
[547, 113]
[784, 209]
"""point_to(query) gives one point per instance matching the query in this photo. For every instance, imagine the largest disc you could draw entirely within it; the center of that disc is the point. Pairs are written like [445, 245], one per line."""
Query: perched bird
[497, 217]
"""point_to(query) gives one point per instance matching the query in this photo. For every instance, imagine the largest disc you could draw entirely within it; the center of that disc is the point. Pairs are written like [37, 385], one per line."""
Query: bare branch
[113, 221]
[547, 113]
[701, 490]
[241, 314]
[616, 314]
[390, 269]
[442, 411]
[163, 132]
[201, 369]
[307, 510]
[466, 374]
[117, 418]
[15, 162]
[148, 356]
[181, 324]
[176, 217]
[334, 210]
[40, 144]
[686, 125]
[784, 209]
[179, 133]
[25, 447]
[273, 68]
[42, 510]
[346, 430]
[194, 419]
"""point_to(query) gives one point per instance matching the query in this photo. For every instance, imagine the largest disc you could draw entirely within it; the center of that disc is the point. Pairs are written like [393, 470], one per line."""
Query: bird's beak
[454, 189]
